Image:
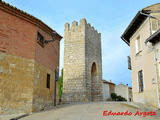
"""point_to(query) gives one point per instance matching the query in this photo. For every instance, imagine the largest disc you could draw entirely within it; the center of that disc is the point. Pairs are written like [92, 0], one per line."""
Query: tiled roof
[105, 81]
[25, 16]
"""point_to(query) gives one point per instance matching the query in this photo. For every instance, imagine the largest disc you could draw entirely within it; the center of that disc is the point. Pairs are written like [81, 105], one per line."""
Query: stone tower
[82, 80]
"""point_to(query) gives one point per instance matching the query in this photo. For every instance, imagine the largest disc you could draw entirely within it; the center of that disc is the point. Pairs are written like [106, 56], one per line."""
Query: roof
[137, 21]
[154, 37]
[105, 81]
[129, 87]
[27, 17]
[133, 26]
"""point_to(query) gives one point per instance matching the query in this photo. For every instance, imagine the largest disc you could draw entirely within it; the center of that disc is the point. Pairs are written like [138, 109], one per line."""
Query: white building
[124, 91]
[108, 88]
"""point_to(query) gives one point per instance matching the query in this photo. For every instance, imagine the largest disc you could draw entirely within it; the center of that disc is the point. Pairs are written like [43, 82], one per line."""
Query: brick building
[29, 59]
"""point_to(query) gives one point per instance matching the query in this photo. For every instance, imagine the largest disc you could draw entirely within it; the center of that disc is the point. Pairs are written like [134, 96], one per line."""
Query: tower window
[48, 81]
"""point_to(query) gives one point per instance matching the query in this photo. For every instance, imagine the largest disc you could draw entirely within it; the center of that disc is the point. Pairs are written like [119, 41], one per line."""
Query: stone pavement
[90, 111]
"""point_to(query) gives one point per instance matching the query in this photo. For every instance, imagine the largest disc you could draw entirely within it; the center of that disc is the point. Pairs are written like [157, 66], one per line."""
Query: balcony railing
[129, 63]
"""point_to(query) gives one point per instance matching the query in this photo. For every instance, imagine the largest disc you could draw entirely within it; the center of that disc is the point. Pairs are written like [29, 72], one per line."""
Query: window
[48, 80]
[140, 80]
[154, 25]
[129, 63]
[40, 39]
[138, 45]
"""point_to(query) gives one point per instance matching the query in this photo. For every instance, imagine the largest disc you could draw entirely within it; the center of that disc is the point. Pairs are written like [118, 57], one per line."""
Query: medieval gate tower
[82, 63]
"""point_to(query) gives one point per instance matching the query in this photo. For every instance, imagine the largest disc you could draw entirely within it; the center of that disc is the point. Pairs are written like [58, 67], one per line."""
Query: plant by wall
[60, 85]
[117, 98]
[113, 96]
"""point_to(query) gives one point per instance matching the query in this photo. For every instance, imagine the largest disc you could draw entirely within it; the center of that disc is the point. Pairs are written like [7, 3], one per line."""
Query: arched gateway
[82, 63]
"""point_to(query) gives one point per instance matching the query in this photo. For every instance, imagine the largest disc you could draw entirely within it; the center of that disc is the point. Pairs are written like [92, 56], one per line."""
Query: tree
[60, 86]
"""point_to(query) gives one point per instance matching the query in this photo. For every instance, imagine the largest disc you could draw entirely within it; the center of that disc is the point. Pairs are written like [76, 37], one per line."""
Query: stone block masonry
[82, 63]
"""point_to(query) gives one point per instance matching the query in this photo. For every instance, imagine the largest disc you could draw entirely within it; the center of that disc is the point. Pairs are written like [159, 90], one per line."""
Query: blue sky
[110, 17]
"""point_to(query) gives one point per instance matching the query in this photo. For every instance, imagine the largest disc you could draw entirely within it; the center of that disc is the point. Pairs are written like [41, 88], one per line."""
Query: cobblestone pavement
[90, 111]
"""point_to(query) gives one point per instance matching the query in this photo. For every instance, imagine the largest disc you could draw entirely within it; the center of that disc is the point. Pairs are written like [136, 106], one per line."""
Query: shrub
[113, 96]
[117, 98]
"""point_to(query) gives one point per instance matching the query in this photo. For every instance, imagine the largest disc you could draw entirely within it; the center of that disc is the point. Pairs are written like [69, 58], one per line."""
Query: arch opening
[94, 69]
[93, 81]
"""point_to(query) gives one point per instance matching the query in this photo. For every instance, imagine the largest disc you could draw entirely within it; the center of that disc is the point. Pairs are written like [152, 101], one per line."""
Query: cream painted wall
[144, 60]
[122, 90]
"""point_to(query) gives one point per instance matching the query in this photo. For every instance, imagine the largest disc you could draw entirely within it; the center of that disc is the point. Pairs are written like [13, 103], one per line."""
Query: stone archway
[93, 81]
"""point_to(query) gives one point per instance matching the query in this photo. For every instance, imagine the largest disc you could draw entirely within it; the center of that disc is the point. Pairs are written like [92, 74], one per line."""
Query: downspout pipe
[155, 64]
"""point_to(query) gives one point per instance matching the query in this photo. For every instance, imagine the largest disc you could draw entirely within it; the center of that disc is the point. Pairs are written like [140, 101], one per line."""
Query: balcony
[129, 63]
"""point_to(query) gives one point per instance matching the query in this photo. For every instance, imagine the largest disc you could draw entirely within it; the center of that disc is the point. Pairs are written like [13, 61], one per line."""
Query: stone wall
[93, 56]
[16, 84]
[43, 97]
[82, 48]
[23, 85]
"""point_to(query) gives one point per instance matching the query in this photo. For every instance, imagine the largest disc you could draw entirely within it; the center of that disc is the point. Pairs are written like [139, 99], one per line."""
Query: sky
[109, 17]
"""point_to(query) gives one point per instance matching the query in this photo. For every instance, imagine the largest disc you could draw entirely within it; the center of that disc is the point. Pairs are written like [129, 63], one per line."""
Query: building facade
[124, 91]
[28, 61]
[82, 63]
[144, 55]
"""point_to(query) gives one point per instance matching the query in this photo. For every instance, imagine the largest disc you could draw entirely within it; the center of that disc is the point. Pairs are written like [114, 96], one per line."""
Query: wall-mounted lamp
[53, 37]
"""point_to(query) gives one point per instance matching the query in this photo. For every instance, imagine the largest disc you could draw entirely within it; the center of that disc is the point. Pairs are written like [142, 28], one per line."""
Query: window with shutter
[140, 80]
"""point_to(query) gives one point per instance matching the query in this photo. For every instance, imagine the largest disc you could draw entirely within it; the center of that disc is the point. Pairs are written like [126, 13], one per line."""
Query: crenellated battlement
[79, 27]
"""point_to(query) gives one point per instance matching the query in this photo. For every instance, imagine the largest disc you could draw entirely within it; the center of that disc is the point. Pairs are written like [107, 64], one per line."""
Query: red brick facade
[18, 36]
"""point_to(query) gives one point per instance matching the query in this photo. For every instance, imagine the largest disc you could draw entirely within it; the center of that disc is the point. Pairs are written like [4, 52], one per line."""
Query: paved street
[91, 111]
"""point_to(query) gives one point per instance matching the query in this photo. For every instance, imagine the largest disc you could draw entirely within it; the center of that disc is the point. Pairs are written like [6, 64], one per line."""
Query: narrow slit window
[48, 81]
